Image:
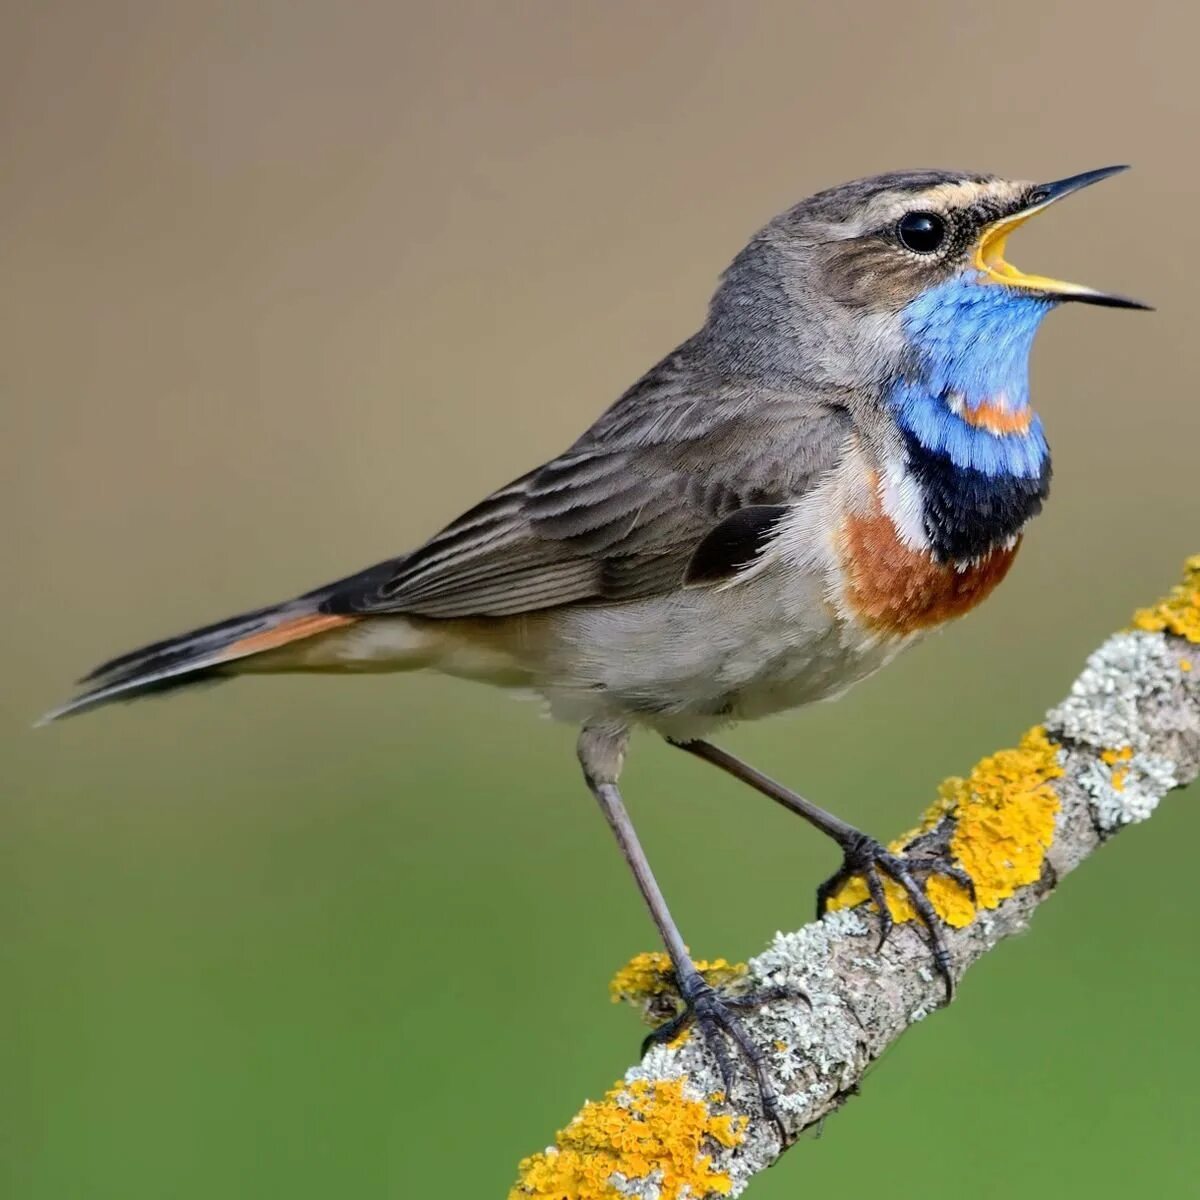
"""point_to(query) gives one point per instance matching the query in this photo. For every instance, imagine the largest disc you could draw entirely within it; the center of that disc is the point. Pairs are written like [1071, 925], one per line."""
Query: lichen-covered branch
[1128, 732]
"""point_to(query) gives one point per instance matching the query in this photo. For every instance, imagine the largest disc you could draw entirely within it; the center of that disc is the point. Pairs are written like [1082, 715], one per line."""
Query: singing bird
[843, 458]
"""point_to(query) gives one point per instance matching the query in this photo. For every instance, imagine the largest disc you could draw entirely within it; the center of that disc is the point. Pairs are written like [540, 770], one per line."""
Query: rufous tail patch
[305, 626]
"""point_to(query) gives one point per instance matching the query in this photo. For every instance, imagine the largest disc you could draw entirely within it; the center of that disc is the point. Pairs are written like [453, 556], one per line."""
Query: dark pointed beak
[989, 257]
[1047, 193]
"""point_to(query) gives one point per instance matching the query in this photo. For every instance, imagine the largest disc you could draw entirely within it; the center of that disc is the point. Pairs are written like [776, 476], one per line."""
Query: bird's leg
[601, 752]
[862, 855]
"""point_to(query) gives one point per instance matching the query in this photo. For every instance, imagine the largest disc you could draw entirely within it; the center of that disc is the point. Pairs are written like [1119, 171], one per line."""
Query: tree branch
[1128, 732]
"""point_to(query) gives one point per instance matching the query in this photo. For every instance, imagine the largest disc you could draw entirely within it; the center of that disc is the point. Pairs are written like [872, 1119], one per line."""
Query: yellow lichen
[1179, 612]
[1117, 760]
[649, 976]
[638, 1128]
[1003, 815]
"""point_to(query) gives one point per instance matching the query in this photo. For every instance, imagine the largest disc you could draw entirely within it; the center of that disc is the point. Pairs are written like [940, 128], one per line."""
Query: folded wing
[619, 515]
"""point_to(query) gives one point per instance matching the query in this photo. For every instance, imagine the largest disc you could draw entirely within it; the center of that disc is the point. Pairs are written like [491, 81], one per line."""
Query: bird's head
[851, 283]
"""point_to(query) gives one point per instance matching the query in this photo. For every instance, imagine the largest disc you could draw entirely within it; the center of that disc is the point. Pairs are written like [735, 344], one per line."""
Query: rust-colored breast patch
[895, 589]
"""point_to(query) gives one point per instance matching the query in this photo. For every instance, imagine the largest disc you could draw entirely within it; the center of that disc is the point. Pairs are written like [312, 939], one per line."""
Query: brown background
[285, 286]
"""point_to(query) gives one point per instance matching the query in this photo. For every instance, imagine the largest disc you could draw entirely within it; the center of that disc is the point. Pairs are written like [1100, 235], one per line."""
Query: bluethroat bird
[843, 458]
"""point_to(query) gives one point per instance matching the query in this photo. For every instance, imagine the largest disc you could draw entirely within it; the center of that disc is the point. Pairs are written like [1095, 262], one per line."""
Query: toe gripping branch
[923, 857]
[713, 1013]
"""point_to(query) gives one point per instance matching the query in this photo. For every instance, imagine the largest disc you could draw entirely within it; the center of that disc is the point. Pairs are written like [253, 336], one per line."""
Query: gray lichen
[1106, 711]
[1128, 790]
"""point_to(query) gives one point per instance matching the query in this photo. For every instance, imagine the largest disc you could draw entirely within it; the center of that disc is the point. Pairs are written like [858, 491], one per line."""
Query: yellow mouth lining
[990, 261]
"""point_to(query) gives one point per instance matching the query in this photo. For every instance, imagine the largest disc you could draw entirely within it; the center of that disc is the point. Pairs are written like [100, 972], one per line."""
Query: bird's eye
[921, 231]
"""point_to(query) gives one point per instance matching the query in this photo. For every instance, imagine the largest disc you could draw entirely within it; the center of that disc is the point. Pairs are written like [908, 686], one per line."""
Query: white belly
[702, 658]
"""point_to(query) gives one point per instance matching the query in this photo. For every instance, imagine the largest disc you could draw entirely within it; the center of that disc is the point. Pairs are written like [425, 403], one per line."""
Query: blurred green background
[287, 285]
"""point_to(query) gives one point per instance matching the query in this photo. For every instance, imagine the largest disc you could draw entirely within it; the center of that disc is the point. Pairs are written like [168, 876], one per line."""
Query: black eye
[921, 231]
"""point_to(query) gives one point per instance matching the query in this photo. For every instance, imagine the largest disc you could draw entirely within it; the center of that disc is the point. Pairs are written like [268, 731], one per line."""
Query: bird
[843, 458]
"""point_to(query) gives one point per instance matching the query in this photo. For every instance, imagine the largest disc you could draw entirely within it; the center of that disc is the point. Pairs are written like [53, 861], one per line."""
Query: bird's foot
[866, 857]
[713, 1014]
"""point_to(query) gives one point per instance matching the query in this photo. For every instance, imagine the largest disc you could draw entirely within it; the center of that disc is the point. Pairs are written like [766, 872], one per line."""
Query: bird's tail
[200, 655]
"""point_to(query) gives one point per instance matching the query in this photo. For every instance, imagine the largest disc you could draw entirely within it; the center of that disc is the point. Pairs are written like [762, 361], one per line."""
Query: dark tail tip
[131, 689]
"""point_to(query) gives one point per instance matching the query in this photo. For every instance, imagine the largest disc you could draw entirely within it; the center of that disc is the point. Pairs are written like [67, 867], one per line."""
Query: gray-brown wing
[619, 515]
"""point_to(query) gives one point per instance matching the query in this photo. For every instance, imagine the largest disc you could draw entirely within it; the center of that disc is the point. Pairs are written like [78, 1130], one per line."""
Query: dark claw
[767, 996]
[866, 857]
[875, 889]
[826, 891]
[712, 1013]
[960, 877]
[667, 1032]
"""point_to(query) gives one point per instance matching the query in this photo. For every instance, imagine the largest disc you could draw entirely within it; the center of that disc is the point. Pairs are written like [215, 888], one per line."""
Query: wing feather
[621, 513]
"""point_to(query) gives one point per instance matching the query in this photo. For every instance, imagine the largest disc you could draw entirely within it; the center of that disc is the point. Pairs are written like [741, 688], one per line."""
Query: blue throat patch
[971, 343]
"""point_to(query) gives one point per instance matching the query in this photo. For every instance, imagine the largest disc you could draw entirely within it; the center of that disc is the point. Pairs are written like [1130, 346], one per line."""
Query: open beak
[989, 254]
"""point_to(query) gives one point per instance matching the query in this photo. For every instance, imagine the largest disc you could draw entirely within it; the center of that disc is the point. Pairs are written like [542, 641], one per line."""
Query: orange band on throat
[995, 418]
